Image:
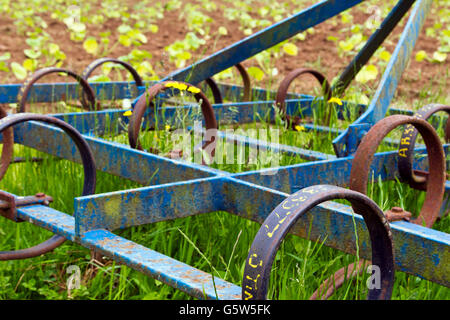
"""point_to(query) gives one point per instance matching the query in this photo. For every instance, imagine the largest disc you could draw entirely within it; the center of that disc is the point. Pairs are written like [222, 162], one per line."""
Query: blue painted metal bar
[141, 166]
[46, 92]
[179, 275]
[127, 208]
[176, 274]
[329, 222]
[111, 157]
[418, 250]
[344, 145]
[274, 147]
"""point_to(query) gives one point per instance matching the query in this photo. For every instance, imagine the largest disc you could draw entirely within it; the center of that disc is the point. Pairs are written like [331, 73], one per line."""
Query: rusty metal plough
[278, 198]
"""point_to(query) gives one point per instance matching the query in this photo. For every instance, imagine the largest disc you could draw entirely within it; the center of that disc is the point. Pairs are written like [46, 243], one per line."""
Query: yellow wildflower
[170, 84]
[177, 85]
[128, 113]
[299, 128]
[193, 90]
[335, 99]
[167, 127]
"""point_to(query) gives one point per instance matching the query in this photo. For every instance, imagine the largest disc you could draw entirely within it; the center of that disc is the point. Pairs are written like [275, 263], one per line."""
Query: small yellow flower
[193, 90]
[167, 127]
[335, 99]
[170, 84]
[299, 128]
[128, 113]
[177, 85]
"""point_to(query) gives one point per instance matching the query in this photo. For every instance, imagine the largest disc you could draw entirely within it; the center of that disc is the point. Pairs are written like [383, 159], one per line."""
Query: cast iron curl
[87, 160]
[28, 84]
[147, 100]
[273, 230]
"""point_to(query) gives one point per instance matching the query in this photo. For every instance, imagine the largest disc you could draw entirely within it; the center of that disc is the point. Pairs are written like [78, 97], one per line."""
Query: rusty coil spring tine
[359, 174]
[246, 82]
[96, 63]
[286, 82]
[8, 146]
[87, 159]
[359, 178]
[147, 100]
[329, 286]
[269, 237]
[28, 84]
[217, 95]
[247, 87]
[406, 148]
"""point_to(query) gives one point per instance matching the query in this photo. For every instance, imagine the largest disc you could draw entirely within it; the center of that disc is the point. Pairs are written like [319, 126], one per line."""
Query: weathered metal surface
[156, 265]
[88, 185]
[146, 101]
[96, 63]
[274, 146]
[334, 171]
[436, 179]
[407, 143]
[122, 209]
[46, 92]
[359, 178]
[22, 97]
[178, 275]
[9, 203]
[110, 157]
[389, 81]
[7, 146]
[418, 250]
[276, 226]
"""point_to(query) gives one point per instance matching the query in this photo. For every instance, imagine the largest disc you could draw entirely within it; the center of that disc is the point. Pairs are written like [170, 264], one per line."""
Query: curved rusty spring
[146, 100]
[434, 186]
[276, 226]
[247, 88]
[280, 100]
[87, 160]
[87, 91]
[96, 63]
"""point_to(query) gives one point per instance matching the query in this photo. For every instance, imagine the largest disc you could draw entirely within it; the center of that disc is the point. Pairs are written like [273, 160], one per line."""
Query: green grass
[300, 265]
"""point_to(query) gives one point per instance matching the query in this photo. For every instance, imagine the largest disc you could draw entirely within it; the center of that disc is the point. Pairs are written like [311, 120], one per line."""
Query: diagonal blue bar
[122, 209]
[391, 77]
[111, 157]
[179, 275]
[261, 40]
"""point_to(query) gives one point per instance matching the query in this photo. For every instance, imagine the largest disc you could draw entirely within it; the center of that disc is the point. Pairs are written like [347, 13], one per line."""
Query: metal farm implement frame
[277, 201]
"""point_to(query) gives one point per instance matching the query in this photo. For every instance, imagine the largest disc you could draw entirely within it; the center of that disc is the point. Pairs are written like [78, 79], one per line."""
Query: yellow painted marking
[270, 234]
[249, 295]
[405, 141]
[254, 265]
[402, 152]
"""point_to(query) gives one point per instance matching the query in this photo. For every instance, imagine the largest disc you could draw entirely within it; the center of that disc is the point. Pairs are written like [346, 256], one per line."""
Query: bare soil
[315, 51]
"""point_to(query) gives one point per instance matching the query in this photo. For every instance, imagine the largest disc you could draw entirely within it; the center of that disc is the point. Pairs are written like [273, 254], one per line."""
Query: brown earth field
[419, 79]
